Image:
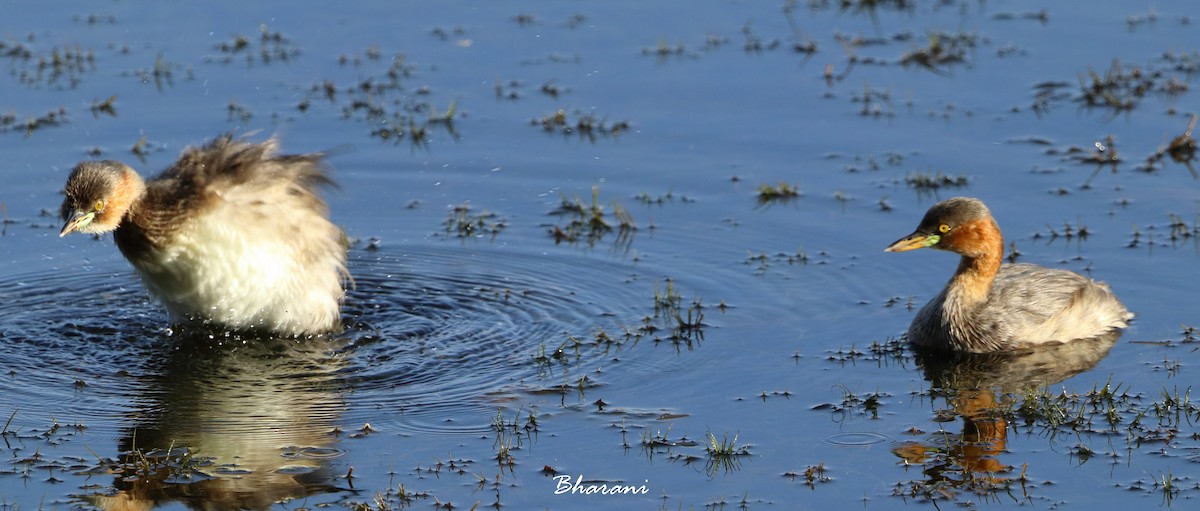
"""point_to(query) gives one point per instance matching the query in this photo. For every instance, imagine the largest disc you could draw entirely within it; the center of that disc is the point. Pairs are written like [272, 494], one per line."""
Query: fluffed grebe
[988, 306]
[231, 235]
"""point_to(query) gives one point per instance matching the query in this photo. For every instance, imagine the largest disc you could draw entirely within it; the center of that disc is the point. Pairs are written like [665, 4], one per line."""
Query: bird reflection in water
[256, 421]
[977, 387]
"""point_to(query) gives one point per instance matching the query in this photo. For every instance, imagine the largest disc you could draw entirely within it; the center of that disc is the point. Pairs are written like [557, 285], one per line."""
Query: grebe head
[962, 225]
[98, 194]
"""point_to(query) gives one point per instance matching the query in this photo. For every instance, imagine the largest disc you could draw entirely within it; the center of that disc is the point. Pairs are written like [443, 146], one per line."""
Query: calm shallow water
[560, 358]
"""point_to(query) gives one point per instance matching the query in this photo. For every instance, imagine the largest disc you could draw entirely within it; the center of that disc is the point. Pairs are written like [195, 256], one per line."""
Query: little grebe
[988, 306]
[231, 235]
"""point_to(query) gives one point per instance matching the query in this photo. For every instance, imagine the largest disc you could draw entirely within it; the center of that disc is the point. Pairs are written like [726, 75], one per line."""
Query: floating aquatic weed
[392, 126]
[161, 73]
[545, 360]
[575, 20]
[930, 180]
[462, 222]
[509, 90]
[5, 220]
[271, 47]
[661, 199]
[1047, 94]
[762, 261]
[669, 322]
[1121, 88]
[802, 44]
[725, 447]
[446, 34]
[512, 435]
[525, 19]
[1181, 149]
[394, 111]
[752, 43]
[724, 454]
[1180, 230]
[876, 103]
[510, 93]
[1104, 410]
[552, 89]
[929, 183]
[11, 122]
[1102, 153]
[585, 125]
[95, 19]
[812, 475]
[667, 300]
[949, 477]
[451, 465]
[957, 466]
[663, 50]
[782, 193]
[969, 389]
[1186, 63]
[142, 148]
[61, 67]
[660, 443]
[869, 403]
[660, 439]
[590, 222]
[944, 50]
[1136, 239]
[1070, 232]
[764, 396]
[149, 468]
[1043, 16]
[107, 107]
[1190, 334]
[870, 8]
[1168, 485]
[393, 498]
[684, 327]
[238, 112]
[1052, 412]
[1173, 234]
[890, 351]
[853, 403]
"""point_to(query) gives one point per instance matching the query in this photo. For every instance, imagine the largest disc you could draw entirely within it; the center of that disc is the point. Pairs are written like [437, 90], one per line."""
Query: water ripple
[434, 332]
[433, 336]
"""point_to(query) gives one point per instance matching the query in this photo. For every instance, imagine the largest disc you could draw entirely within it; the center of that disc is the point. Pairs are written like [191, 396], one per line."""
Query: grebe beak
[78, 221]
[913, 241]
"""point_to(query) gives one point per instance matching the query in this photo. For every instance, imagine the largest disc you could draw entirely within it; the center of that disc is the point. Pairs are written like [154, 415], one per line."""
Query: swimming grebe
[988, 306]
[232, 234]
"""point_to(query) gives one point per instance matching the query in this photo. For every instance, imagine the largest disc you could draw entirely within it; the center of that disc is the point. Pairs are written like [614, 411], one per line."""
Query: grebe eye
[99, 206]
[944, 228]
